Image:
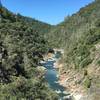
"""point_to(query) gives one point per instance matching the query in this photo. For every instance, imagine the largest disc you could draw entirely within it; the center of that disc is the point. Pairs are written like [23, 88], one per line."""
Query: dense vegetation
[79, 36]
[23, 41]
[22, 45]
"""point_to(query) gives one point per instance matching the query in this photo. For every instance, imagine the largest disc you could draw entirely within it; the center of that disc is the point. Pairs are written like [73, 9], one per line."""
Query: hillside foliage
[22, 45]
[79, 36]
[24, 40]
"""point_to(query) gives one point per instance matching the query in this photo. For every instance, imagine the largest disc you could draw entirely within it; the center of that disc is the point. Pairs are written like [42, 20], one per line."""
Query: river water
[52, 78]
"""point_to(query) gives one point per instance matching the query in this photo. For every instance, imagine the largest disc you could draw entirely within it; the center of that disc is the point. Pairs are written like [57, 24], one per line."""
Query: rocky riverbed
[52, 76]
[65, 81]
[71, 79]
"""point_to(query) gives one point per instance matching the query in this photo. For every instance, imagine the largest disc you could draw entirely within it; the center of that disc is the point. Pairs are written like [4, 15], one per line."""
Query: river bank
[82, 84]
[71, 79]
[52, 75]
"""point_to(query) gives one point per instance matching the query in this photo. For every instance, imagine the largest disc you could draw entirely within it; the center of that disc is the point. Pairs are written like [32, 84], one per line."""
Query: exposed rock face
[82, 83]
[73, 81]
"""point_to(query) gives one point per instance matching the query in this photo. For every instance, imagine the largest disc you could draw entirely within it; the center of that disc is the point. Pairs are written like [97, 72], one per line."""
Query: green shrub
[93, 36]
[98, 62]
[87, 83]
[86, 62]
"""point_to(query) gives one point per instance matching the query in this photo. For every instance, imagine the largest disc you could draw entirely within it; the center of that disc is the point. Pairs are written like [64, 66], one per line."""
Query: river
[52, 78]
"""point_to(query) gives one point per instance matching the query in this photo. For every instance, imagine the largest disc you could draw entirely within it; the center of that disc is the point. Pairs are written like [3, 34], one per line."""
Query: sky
[49, 11]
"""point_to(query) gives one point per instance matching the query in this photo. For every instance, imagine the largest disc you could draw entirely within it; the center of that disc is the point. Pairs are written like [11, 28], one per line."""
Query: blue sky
[50, 11]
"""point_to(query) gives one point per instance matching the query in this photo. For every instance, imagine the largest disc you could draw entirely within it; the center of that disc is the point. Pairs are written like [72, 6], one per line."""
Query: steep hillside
[22, 45]
[79, 36]
[23, 41]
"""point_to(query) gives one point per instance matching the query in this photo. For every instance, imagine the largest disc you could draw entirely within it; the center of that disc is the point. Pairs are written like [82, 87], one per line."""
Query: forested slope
[79, 36]
[22, 45]
[24, 40]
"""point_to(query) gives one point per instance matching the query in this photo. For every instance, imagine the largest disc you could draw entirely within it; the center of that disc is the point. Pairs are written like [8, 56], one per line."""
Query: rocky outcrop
[71, 80]
[74, 81]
